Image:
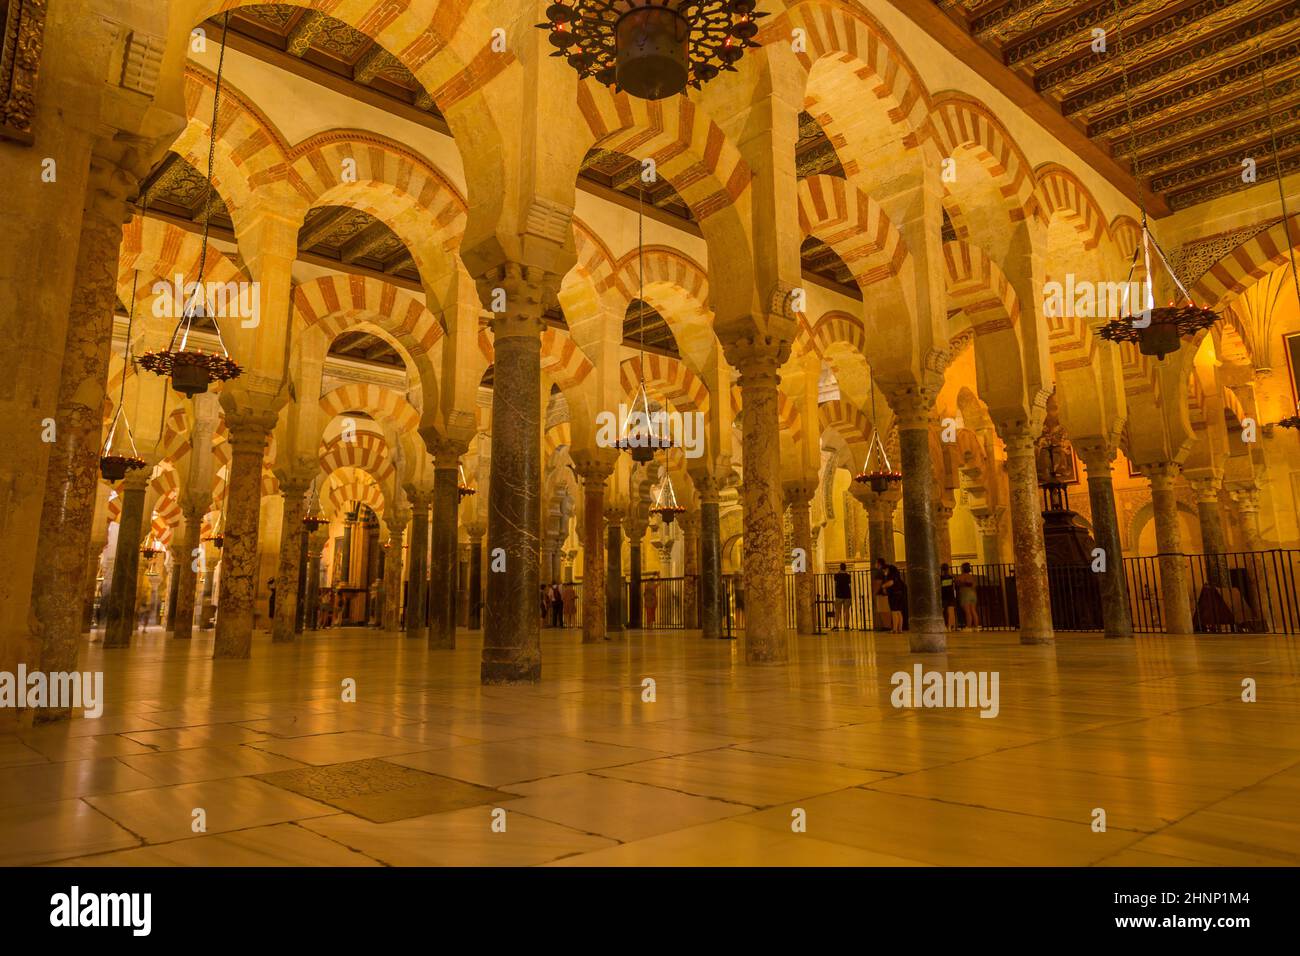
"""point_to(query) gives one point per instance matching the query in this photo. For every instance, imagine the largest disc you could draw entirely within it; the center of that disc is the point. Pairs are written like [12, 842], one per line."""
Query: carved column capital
[758, 359]
[1162, 474]
[520, 292]
[911, 402]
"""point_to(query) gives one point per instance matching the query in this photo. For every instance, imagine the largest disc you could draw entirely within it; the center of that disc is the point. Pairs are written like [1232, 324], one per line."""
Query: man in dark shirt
[843, 596]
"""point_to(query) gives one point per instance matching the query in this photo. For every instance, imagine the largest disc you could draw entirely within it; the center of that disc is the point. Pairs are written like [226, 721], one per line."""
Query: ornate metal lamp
[640, 436]
[113, 465]
[217, 536]
[1156, 330]
[652, 48]
[876, 471]
[666, 506]
[193, 370]
[463, 487]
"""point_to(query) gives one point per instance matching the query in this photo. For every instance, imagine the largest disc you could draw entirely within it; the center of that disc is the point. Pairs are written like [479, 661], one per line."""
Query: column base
[1118, 635]
[927, 642]
[442, 643]
[1032, 637]
[510, 672]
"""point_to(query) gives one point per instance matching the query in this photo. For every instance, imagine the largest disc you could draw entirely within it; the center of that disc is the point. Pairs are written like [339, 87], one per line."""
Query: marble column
[417, 551]
[72, 468]
[711, 610]
[613, 570]
[1115, 613]
[594, 473]
[1214, 540]
[880, 525]
[315, 546]
[512, 650]
[799, 496]
[392, 614]
[300, 592]
[178, 555]
[192, 510]
[635, 535]
[126, 565]
[942, 535]
[476, 577]
[1169, 546]
[292, 492]
[763, 562]
[1032, 596]
[925, 625]
[1245, 501]
[446, 539]
[248, 432]
[690, 522]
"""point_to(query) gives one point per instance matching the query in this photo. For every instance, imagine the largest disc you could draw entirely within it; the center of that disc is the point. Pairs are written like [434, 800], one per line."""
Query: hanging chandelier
[640, 436]
[151, 548]
[666, 506]
[652, 49]
[312, 519]
[876, 471]
[113, 465]
[1156, 330]
[463, 488]
[192, 370]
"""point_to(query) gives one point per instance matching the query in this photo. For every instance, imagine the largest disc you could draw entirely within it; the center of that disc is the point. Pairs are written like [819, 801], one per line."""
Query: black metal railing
[1241, 592]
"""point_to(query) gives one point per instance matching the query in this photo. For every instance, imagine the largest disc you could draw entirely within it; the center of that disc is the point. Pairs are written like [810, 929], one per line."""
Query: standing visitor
[968, 598]
[651, 603]
[843, 597]
[948, 590]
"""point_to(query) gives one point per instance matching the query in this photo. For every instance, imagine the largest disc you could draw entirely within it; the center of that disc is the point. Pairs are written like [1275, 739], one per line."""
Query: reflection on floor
[262, 762]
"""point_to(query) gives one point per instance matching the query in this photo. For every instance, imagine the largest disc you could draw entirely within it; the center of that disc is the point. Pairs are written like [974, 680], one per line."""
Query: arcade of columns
[783, 374]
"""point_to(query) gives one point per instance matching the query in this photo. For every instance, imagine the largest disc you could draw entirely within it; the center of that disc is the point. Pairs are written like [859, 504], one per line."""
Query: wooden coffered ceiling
[1193, 74]
[324, 43]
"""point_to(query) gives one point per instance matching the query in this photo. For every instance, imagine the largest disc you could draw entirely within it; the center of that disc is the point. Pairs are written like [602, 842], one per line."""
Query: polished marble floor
[262, 762]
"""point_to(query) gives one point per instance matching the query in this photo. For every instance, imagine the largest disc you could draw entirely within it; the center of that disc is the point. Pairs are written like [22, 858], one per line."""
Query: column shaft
[801, 513]
[613, 574]
[416, 574]
[183, 621]
[634, 618]
[476, 582]
[126, 565]
[72, 469]
[763, 561]
[442, 577]
[1169, 546]
[512, 651]
[594, 474]
[711, 609]
[1115, 613]
[286, 576]
[1032, 596]
[234, 634]
[925, 623]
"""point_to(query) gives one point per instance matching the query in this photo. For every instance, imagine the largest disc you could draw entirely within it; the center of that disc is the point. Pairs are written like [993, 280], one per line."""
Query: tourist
[968, 597]
[843, 597]
[948, 591]
[651, 603]
[557, 606]
[892, 584]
